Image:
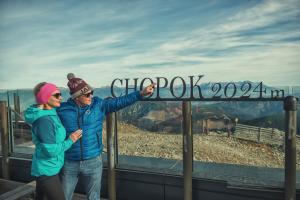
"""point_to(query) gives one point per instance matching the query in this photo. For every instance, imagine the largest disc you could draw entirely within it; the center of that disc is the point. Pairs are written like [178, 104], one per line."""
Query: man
[85, 112]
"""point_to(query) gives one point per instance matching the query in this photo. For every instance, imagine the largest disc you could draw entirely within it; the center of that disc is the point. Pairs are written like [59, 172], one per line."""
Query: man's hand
[148, 90]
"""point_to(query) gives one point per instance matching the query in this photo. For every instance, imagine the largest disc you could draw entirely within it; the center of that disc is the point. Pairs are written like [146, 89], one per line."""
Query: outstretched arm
[115, 104]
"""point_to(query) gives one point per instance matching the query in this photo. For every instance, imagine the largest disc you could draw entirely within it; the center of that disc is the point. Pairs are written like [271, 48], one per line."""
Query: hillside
[263, 114]
[209, 148]
[275, 121]
[215, 147]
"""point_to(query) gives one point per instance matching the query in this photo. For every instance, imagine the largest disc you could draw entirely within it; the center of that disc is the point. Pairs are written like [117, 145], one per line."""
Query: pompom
[70, 76]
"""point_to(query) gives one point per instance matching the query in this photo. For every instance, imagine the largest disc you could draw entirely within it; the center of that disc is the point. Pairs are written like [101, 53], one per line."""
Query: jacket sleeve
[52, 150]
[44, 130]
[115, 104]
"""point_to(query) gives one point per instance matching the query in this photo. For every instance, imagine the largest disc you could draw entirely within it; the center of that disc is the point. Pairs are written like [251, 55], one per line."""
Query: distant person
[86, 112]
[49, 137]
[233, 130]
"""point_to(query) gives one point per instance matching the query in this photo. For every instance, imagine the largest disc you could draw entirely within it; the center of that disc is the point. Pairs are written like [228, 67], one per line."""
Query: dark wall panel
[129, 190]
[137, 185]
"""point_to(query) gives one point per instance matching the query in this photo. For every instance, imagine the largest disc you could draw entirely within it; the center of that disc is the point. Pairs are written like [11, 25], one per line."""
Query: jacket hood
[33, 113]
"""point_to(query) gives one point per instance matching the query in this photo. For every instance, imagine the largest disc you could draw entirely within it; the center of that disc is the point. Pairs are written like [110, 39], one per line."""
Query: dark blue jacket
[89, 119]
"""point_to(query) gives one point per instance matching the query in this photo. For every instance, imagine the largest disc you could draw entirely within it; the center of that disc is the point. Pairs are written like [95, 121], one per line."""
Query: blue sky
[99, 41]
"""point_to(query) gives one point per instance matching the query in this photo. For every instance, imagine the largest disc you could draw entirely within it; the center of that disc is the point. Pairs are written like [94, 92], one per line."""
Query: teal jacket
[49, 137]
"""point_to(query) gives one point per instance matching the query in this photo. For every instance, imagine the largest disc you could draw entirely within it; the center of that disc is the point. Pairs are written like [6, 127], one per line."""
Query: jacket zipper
[98, 140]
[80, 140]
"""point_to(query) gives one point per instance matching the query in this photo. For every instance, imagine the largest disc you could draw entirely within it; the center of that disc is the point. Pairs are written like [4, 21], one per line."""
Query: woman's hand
[148, 90]
[76, 135]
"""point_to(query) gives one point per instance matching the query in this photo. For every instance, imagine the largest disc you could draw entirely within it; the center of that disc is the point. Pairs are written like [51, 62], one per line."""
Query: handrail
[19, 192]
[20, 116]
[11, 109]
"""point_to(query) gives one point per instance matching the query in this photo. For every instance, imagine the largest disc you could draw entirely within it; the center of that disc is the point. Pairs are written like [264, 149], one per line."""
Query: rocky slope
[214, 147]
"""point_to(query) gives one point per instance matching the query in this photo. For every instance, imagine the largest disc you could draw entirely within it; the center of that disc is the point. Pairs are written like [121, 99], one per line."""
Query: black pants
[49, 187]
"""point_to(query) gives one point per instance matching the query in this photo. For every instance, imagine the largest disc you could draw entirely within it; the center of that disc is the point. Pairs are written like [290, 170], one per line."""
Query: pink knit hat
[45, 93]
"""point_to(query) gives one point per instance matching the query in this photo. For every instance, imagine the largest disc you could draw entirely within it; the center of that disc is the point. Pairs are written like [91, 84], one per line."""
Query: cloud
[105, 40]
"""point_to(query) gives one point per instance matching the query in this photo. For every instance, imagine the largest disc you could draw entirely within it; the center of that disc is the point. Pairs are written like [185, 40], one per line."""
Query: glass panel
[21, 140]
[150, 137]
[295, 91]
[239, 142]
[298, 151]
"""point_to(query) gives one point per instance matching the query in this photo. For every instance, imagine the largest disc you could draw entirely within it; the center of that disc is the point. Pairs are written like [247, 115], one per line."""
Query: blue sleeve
[44, 130]
[115, 104]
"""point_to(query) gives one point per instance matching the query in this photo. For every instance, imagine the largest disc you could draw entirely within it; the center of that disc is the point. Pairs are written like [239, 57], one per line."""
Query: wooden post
[4, 139]
[228, 131]
[207, 127]
[227, 125]
[258, 134]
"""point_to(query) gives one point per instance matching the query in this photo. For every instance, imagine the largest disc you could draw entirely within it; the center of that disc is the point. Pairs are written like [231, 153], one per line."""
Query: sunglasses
[56, 95]
[89, 94]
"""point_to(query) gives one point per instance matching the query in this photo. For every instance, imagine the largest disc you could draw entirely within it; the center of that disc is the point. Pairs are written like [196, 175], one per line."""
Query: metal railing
[290, 107]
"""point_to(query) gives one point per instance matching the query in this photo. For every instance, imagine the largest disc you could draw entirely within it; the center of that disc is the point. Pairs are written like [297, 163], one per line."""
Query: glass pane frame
[144, 148]
[228, 167]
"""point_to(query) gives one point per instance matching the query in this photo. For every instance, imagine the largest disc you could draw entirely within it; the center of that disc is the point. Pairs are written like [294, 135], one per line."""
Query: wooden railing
[259, 134]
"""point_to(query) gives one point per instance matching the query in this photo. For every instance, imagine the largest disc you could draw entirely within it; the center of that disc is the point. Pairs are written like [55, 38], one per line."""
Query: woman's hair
[38, 87]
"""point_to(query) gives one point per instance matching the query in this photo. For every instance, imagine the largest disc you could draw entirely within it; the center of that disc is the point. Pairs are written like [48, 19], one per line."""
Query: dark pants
[49, 187]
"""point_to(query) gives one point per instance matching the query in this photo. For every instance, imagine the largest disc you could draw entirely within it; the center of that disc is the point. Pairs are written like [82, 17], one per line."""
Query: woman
[49, 137]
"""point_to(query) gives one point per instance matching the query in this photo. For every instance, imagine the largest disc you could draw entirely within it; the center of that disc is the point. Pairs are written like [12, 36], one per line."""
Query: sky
[224, 40]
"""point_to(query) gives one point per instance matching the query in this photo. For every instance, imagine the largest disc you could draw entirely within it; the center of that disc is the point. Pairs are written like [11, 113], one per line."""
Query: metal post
[10, 130]
[4, 139]
[290, 107]
[116, 139]
[111, 158]
[187, 150]
[10, 125]
[17, 107]
[17, 119]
